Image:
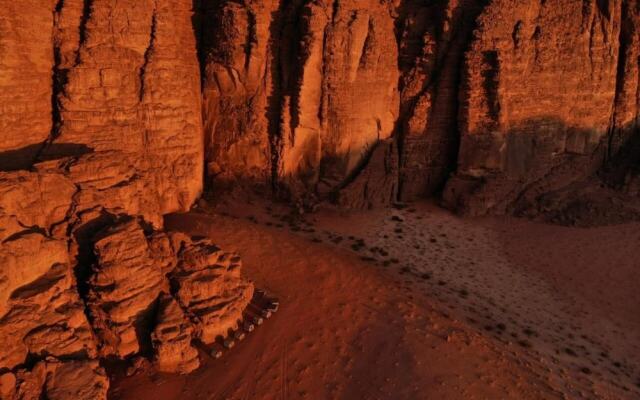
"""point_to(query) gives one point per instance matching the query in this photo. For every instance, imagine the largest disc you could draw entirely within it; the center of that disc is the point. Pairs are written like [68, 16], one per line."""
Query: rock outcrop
[184, 289]
[207, 282]
[102, 119]
[68, 300]
[41, 313]
[122, 308]
[172, 338]
[52, 379]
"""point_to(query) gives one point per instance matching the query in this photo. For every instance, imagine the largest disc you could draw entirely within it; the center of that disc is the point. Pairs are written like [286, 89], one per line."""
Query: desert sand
[416, 303]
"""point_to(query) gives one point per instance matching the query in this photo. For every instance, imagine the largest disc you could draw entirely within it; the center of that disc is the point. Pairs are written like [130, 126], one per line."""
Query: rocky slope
[114, 114]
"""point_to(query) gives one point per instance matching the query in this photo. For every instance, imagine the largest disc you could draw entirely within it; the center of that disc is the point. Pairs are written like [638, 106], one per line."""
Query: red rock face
[101, 102]
[111, 78]
[540, 99]
[132, 86]
[26, 49]
[432, 40]
[297, 93]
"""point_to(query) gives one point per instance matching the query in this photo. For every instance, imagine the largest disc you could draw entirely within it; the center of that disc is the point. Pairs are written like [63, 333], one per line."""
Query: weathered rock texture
[207, 282]
[516, 98]
[297, 93]
[74, 291]
[546, 89]
[121, 307]
[26, 51]
[101, 135]
[118, 79]
[130, 316]
[172, 338]
[432, 38]
[52, 379]
[41, 313]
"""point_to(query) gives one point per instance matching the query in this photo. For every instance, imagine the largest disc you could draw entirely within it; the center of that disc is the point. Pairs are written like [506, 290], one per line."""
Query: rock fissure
[87, 8]
[148, 53]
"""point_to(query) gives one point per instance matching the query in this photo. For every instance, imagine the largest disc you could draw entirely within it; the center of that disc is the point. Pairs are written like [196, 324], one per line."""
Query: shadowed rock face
[542, 103]
[114, 114]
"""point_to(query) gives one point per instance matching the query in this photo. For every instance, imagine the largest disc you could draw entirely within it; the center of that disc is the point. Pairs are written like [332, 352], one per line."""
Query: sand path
[416, 303]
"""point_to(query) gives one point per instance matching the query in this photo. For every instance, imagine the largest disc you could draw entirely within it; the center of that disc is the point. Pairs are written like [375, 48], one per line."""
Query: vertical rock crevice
[276, 100]
[619, 130]
[148, 53]
[59, 79]
[87, 9]
[251, 37]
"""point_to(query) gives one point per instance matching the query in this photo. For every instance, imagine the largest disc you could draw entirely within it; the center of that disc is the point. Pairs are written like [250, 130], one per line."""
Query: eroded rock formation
[172, 338]
[121, 307]
[52, 379]
[209, 285]
[297, 93]
[102, 136]
[515, 98]
[75, 291]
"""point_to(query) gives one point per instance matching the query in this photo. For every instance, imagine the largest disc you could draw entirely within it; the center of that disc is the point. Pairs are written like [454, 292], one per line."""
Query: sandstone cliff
[515, 98]
[542, 103]
[297, 93]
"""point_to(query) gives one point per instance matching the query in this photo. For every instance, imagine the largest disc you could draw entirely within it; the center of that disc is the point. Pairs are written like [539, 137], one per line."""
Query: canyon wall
[102, 136]
[548, 92]
[297, 94]
[514, 99]
[115, 113]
